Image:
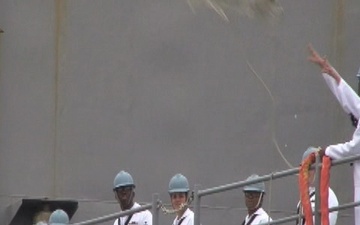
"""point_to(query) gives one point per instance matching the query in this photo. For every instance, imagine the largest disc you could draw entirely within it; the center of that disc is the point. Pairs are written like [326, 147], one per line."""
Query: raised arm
[324, 64]
[346, 96]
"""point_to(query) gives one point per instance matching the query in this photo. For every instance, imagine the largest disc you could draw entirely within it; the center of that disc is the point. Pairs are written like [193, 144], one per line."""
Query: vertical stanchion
[317, 189]
[155, 209]
[196, 205]
[358, 77]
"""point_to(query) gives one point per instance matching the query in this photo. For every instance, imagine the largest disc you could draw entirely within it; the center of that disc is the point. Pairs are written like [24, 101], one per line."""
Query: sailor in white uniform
[179, 194]
[254, 195]
[124, 193]
[350, 103]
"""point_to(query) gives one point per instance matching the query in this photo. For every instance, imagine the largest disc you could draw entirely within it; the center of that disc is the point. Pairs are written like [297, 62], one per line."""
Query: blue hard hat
[257, 187]
[123, 179]
[178, 183]
[59, 217]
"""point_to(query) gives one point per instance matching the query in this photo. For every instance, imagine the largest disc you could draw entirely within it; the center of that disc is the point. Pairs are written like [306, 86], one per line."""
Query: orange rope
[324, 189]
[304, 187]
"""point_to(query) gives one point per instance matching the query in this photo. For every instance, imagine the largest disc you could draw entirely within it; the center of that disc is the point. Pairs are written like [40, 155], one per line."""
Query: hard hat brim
[178, 190]
[253, 189]
[124, 185]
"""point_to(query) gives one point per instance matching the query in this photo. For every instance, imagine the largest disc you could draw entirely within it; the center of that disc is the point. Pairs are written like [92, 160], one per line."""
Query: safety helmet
[123, 179]
[59, 217]
[308, 151]
[178, 183]
[257, 187]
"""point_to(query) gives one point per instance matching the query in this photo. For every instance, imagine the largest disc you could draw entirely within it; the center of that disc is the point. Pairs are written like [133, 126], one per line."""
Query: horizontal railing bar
[114, 215]
[243, 183]
[294, 217]
[282, 220]
[344, 206]
[268, 177]
[345, 160]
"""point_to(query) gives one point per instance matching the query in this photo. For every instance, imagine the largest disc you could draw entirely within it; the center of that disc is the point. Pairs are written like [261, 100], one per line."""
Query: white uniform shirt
[332, 201]
[140, 218]
[186, 219]
[350, 102]
[261, 217]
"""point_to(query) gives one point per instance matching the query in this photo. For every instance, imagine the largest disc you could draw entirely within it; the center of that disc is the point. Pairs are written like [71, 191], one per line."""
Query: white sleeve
[341, 150]
[333, 201]
[345, 95]
[350, 102]
[116, 222]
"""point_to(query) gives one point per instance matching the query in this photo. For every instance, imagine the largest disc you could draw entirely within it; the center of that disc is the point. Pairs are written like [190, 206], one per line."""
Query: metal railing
[295, 217]
[199, 194]
[154, 207]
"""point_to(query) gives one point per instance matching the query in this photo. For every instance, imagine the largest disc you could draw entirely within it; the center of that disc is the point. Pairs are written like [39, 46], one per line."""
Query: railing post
[196, 205]
[155, 209]
[317, 189]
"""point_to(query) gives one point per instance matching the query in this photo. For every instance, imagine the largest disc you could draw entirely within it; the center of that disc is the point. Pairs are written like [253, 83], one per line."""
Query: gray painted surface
[88, 88]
